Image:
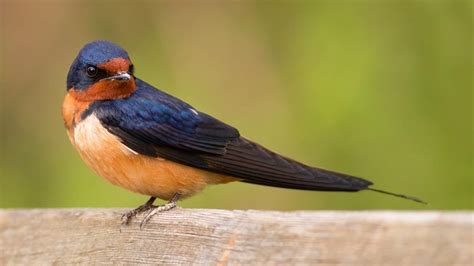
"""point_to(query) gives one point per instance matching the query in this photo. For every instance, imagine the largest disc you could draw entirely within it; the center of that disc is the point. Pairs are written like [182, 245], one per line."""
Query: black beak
[120, 76]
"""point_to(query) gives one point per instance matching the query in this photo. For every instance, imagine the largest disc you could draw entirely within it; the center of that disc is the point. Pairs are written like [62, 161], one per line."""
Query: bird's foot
[151, 209]
[157, 209]
[127, 217]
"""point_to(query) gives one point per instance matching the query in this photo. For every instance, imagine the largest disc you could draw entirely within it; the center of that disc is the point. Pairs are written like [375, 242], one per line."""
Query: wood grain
[220, 237]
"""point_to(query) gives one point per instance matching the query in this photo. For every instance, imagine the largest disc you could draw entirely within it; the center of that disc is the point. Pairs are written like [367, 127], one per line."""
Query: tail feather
[258, 165]
[398, 195]
[252, 163]
[255, 164]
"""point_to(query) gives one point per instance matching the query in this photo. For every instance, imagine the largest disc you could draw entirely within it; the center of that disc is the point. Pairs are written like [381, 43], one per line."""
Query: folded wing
[153, 123]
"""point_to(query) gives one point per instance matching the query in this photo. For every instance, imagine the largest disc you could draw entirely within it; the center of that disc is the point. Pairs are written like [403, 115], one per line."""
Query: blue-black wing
[153, 118]
[154, 123]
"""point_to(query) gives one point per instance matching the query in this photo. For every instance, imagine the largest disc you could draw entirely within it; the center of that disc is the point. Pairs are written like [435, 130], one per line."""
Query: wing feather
[154, 123]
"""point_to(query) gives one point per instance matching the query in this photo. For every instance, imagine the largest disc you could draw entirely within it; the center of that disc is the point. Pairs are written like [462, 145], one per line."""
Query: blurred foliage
[378, 89]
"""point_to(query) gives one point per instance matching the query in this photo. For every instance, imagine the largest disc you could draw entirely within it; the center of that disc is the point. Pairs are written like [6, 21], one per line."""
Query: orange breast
[72, 110]
[114, 161]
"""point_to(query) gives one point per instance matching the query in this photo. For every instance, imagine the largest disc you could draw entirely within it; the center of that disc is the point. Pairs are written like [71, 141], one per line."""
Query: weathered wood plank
[198, 236]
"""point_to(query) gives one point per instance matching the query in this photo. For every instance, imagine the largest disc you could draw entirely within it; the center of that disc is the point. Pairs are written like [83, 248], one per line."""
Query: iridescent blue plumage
[92, 54]
[125, 110]
[157, 118]
[98, 52]
[154, 123]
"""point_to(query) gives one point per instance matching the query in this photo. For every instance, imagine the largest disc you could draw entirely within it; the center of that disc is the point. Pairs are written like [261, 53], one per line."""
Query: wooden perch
[220, 237]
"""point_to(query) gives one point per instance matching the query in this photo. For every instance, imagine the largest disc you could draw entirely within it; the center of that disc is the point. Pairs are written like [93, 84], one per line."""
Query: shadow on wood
[185, 236]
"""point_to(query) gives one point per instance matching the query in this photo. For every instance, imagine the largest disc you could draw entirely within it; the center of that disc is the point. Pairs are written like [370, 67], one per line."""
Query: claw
[127, 217]
[150, 209]
[157, 209]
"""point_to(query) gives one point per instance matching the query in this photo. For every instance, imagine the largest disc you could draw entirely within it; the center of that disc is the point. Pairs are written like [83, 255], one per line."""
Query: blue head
[101, 70]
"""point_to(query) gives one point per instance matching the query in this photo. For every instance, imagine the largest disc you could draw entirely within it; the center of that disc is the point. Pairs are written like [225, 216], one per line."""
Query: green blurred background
[378, 89]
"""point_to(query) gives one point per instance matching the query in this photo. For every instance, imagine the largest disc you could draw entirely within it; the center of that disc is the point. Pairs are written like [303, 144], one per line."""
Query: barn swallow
[149, 142]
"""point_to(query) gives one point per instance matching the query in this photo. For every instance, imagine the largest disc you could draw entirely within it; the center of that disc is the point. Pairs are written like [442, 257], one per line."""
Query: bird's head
[101, 71]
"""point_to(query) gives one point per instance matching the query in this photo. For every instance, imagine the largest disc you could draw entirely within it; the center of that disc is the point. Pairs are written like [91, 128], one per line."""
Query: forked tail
[398, 195]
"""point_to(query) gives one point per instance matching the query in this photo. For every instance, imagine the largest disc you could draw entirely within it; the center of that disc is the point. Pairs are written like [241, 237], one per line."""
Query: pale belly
[121, 166]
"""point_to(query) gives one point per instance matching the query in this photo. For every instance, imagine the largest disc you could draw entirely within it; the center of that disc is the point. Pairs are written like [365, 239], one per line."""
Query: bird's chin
[106, 89]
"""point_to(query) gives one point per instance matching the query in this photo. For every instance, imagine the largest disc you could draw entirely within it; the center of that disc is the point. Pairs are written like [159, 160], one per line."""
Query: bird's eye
[92, 71]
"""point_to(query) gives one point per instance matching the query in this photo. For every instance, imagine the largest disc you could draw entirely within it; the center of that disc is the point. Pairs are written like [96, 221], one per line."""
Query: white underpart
[89, 134]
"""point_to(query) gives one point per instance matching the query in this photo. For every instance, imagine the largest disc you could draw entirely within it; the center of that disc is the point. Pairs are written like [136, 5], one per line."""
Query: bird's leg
[161, 208]
[127, 217]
